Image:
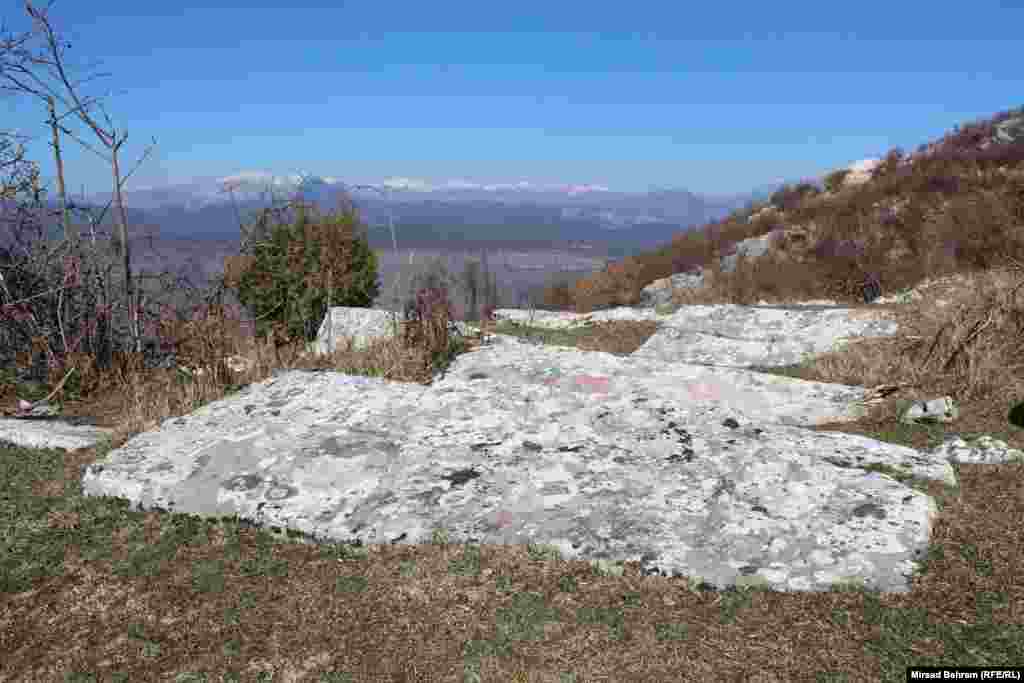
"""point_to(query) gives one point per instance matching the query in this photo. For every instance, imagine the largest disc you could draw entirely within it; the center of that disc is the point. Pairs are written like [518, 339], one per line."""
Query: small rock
[38, 409]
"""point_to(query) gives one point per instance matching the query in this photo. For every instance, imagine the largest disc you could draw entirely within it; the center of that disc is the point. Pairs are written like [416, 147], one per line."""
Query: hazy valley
[528, 234]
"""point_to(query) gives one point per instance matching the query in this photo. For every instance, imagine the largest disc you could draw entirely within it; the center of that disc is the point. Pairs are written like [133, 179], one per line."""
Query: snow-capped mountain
[426, 212]
[256, 185]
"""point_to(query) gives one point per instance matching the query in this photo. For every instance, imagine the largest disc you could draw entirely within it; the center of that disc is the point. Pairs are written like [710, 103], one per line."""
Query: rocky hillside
[956, 204]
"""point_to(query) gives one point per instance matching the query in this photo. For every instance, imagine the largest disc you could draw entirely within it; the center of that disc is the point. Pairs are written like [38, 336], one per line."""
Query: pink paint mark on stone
[700, 391]
[504, 519]
[725, 394]
[600, 384]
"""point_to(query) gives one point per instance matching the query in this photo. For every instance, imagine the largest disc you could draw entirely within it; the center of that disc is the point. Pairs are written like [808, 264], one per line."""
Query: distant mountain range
[187, 229]
[431, 214]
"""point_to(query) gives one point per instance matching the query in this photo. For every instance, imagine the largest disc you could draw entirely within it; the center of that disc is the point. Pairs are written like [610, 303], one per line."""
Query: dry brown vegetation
[91, 590]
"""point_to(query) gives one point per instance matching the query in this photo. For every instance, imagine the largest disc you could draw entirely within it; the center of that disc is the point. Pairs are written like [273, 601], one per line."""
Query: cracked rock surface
[674, 456]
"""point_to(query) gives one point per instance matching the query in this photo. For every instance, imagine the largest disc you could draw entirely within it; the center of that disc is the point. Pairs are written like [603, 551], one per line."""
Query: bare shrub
[789, 197]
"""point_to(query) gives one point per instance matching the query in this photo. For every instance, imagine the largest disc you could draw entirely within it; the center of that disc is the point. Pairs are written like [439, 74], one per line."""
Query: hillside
[955, 204]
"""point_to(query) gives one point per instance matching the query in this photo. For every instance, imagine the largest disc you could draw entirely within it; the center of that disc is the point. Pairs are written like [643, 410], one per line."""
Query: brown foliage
[957, 204]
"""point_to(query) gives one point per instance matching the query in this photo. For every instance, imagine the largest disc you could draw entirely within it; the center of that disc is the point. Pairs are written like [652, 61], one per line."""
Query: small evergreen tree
[303, 268]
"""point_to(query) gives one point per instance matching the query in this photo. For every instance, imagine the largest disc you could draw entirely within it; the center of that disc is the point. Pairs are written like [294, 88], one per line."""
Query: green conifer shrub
[303, 268]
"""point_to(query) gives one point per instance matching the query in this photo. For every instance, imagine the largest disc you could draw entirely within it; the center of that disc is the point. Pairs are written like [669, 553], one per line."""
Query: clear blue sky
[714, 97]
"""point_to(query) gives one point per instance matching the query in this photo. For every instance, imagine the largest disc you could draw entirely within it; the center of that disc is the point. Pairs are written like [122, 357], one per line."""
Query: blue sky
[712, 97]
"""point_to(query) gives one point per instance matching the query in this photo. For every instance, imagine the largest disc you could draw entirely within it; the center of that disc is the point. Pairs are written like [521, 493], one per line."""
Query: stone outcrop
[676, 456]
[362, 326]
[860, 171]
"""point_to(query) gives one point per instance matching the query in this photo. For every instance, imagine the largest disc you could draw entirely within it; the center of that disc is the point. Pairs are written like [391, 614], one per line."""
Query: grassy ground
[91, 590]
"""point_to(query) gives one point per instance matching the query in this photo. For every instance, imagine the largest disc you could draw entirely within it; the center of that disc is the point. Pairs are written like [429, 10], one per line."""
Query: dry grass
[91, 590]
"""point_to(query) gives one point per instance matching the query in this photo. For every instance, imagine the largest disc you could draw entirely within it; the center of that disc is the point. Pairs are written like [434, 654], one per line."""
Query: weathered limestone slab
[362, 325]
[741, 336]
[50, 433]
[695, 470]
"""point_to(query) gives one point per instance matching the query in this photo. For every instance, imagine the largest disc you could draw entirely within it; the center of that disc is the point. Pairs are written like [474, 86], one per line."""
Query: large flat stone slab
[362, 326]
[689, 469]
[740, 336]
[50, 433]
